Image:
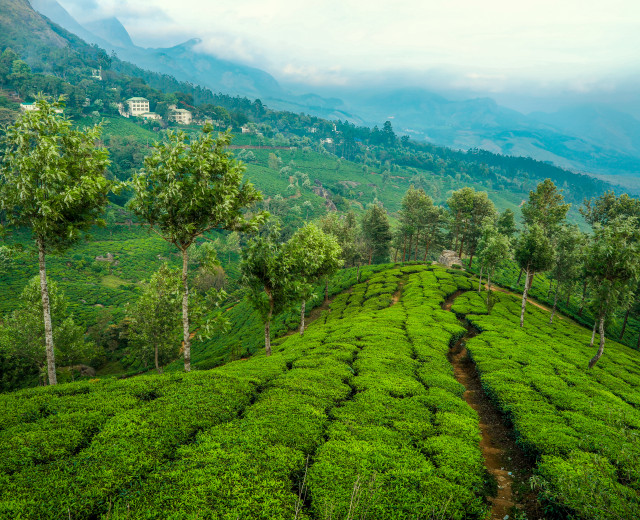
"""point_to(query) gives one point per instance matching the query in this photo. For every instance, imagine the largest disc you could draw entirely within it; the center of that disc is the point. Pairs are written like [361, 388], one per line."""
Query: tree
[613, 264]
[534, 253]
[155, 318]
[469, 210]
[568, 266]
[25, 334]
[493, 248]
[607, 207]
[313, 255]
[188, 187]
[266, 273]
[506, 223]
[52, 181]
[545, 207]
[377, 234]
[345, 229]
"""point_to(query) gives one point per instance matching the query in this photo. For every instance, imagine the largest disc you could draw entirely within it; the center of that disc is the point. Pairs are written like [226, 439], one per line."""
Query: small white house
[32, 107]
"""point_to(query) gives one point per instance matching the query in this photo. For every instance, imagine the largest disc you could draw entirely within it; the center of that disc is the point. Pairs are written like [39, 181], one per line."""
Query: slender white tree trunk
[46, 312]
[489, 287]
[524, 298]
[593, 334]
[185, 312]
[555, 304]
[595, 358]
[302, 309]
[480, 281]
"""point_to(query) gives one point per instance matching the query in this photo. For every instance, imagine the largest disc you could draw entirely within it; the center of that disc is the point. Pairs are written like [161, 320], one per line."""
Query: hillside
[361, 416]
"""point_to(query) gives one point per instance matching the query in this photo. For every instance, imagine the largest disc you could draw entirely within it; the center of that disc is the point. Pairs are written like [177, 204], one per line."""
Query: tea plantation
[359, 418]
[582, 427]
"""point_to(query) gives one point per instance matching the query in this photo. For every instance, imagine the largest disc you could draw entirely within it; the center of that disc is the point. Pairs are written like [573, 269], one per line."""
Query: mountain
[591, 139]
[585, 138]
[111, 30]
[187, 63]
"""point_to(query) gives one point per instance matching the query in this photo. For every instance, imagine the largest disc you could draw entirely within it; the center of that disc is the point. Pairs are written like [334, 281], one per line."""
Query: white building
[151, 115]
[138, 106]
[180, 115]
[32, 107]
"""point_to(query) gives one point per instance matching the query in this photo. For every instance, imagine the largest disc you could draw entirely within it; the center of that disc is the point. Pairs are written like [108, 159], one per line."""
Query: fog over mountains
[589, 137]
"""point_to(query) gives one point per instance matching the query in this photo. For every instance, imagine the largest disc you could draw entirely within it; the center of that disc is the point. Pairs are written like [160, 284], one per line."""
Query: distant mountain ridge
[589, 138]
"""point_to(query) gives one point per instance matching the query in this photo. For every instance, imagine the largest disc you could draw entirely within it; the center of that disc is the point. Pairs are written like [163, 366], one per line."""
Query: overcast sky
[494, 46]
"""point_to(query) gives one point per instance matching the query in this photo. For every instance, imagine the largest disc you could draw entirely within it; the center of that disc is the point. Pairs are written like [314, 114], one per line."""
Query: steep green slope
[582, 426]
[365, 400]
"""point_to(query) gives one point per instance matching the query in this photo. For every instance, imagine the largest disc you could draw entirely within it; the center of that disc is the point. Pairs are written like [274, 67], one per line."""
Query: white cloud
[491, 44]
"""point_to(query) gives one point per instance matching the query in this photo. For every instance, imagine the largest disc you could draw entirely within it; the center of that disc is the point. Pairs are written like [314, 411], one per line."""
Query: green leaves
[52, 177]
[190, 186]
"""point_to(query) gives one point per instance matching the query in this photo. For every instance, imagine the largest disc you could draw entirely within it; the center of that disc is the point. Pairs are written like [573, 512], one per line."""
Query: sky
[545, 48]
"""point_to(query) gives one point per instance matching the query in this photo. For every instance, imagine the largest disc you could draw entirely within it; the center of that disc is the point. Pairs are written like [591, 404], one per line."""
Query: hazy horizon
[536, 57]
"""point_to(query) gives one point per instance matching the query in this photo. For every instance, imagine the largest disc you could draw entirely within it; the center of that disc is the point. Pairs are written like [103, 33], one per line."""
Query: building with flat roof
[138, 106]
[180, 116]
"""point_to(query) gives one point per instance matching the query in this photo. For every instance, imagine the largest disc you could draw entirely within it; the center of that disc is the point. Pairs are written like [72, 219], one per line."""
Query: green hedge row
[581, 425]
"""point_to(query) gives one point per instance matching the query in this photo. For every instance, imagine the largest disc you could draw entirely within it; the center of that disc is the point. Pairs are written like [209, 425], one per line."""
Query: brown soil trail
[502, 457]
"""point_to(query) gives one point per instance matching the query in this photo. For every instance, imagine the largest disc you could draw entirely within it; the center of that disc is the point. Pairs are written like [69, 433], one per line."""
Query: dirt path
[502, 457]
[529, 299]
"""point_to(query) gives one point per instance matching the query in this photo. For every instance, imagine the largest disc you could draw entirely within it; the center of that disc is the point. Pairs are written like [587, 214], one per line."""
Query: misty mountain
[110, 30]
[583, 138]
[587, 138]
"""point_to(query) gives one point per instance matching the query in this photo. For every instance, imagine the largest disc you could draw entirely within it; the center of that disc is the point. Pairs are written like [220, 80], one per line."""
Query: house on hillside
[180, 115]
[32, 107]
[138, 106]
[151, 115]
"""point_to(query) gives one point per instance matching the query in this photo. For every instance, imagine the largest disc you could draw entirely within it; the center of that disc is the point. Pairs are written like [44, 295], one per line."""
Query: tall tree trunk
[524, 300]
[488, 287]
[415, 256]
[426, 249]
[530, 278]
[555, 303]
[461, 246]
[409, 248]
[358, 273]
[267, 327]
[624, 323]
[569, 291]
[480, 280]
[404, 246]
[595, 358]
[473, 252]
[593, 334]
[395, 256]
[46, 312]
[550, 286]
[370, 255]
[584, 296]
[186, 338]
[302, 309]
[155, 356]
[519, 277]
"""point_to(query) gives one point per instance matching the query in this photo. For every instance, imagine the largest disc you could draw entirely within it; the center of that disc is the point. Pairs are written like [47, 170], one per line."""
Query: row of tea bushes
[344, 410]
[399, 448]
[582, 426]
[131, 441]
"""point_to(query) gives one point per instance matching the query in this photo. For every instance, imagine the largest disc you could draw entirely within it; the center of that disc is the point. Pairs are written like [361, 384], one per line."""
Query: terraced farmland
[362, 417]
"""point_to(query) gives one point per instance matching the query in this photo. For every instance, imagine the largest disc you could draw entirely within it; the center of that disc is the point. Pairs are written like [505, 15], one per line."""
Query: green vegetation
[581, 426]
[331, 413]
